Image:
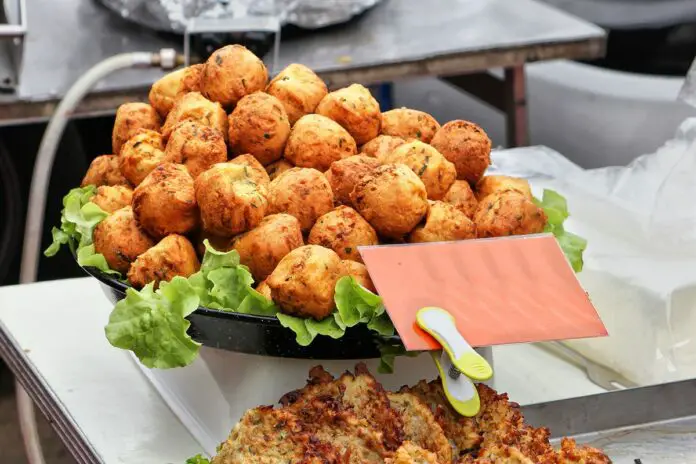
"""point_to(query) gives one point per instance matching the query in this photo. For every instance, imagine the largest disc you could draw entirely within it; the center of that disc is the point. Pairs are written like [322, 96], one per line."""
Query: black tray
[262, 335]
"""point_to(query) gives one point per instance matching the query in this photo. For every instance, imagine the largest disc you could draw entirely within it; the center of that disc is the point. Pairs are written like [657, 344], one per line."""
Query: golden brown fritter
[316, 141]
[343, 175]
[409, 124]
[570, 453]
[434, 170]
[467, 146]
[303, 282]
[119, 238]
[444, 223]
[262, 248]
[165, 201]
[259, 126]
[358, 271]
[462, 197]
[130, 118]
[104, 170]
[461, 431]
[299, 89]
[140, 155]
[196, 146]
[495, 184]
[409, 453]
[381, 145]
[165, 91]
[195, 106]
[420, 427]
[393, 200]
[253, 169]
[172, 256]
[230, 73]
[343, 230]
[355, 109]
[508, 213]
[264, 290]
[277, 168]
[230, 201]
[112, 197]
[302, 192]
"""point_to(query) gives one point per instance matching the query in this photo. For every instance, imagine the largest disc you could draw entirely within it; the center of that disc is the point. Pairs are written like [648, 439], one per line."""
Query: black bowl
[262, 335]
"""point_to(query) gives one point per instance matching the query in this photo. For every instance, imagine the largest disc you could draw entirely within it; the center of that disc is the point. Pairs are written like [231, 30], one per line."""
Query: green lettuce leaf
[78, 219]
[152, 324]
[389, 352]
[257, 304]
[556, 209]
[198, 459]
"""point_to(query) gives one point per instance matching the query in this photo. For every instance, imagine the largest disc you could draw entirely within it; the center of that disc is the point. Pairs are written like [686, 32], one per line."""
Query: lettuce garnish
[198, 459]
[556, 209]
[78, 219]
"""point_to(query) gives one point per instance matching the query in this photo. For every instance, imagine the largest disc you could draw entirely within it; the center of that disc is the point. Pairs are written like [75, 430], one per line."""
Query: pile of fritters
[352, 419]
[292, 176]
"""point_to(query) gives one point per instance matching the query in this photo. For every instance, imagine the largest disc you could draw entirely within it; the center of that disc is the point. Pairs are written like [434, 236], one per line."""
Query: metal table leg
[508, 95]
[516, 107]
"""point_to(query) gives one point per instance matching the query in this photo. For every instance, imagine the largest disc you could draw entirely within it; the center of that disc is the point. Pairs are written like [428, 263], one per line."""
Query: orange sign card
[501, 290]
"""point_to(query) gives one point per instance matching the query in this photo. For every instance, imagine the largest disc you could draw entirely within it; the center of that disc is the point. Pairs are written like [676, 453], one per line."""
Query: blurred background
[604, 112]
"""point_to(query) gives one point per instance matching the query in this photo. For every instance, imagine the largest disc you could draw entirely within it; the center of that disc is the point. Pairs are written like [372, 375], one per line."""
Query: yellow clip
[441, 325]
[457, 357]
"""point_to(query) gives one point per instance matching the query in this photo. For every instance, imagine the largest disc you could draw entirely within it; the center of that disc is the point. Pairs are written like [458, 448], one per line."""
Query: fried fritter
[302, 192]
[393, 199]
[277, 168]
[195, 106]
[196, 146]
[443, 223]
[316, 141]
[355, 109]
[104, 170]
[119, 238]
[299, 89]
[112, 197]
[264, 289]
[344, 174]
[343, 230]
[172, 256]
[262, 248]
[358, 271]
[232, 72]
[253, 169]
[381, 146]
[508, 213]
[462, 197]
[495, 184]
[409, 453]
[140, 155]
[130, 118]
[467, 146]
[165, 201]
[434, 170]
[570, 453]
[259, 126]
[230, 201]
[304, 281]
[420, 426]
[165, 91]
[409, 124]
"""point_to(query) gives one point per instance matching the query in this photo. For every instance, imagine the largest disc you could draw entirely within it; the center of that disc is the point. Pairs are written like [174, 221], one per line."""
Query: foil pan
[172, 15]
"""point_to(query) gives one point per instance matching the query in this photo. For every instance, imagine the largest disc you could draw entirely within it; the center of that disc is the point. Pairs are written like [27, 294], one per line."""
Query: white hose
[41, 177]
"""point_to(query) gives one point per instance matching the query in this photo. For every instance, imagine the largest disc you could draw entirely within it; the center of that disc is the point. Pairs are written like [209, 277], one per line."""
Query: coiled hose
[41, 177]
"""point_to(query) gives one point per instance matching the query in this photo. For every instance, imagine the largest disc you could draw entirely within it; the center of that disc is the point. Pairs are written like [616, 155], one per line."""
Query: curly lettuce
[78, 219]
[198, 459]
[556, 209]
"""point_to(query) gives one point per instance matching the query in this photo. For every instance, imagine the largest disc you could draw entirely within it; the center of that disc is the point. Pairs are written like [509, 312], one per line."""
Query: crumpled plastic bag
[640, 264]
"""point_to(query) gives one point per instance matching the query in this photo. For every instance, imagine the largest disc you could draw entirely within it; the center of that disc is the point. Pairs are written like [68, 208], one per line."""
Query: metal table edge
[45, 399]
[22, 111]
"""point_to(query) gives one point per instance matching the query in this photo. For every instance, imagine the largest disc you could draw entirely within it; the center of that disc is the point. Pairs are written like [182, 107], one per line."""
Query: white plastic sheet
[640, 269]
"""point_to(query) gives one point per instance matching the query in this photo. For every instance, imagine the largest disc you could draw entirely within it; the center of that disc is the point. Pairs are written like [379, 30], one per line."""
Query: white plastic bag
[640, 264]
